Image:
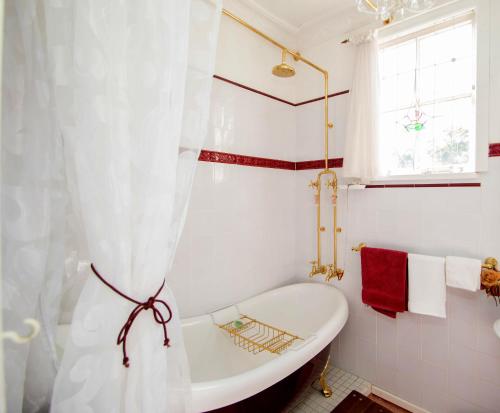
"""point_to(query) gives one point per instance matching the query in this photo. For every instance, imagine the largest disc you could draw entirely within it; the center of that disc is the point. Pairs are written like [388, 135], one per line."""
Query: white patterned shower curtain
[105, 111]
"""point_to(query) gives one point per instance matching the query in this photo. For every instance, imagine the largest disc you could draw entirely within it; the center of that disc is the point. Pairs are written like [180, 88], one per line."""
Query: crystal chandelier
[386, 10]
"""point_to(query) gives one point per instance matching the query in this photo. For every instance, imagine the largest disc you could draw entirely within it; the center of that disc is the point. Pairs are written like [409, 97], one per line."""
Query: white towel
[426, 285]
[464, 273]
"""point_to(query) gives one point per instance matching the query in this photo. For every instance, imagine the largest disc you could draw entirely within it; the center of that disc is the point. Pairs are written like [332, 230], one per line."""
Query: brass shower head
[283, 69]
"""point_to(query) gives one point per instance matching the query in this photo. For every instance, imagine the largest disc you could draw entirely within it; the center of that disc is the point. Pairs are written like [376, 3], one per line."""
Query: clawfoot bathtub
[223, 374]
[227, 377]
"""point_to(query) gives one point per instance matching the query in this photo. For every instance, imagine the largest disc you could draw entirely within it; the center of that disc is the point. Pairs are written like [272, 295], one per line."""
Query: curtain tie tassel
[152, 303]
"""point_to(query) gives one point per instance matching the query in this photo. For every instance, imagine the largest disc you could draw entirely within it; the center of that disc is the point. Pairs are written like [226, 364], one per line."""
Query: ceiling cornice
[283, 24]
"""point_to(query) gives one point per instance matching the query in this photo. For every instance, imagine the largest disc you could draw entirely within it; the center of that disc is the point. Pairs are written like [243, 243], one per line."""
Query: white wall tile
[252, 229]
[435, 341]
[462, 378]
[366, 360]
[409, 378]
[434, 388]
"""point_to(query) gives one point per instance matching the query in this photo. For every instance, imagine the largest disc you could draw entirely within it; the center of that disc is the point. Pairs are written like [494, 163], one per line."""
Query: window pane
[443, 145]
[446, 45]
[453, 132]
[428, 125]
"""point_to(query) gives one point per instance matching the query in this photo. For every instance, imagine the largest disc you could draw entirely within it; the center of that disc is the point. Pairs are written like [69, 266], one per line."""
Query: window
[428, 100]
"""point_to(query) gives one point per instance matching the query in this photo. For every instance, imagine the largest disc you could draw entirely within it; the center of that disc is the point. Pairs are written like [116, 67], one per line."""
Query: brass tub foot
[326, 390]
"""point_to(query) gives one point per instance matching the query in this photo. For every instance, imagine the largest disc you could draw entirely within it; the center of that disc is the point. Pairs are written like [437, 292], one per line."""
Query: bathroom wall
[239, 236]
[250, 229]
[449, 365]
[246, 58]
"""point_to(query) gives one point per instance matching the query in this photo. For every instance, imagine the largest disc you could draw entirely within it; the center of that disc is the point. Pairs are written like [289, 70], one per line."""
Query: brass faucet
[333, 272]
[317, 269]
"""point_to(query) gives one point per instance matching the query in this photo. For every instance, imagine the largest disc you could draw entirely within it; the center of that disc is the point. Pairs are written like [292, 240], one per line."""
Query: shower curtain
[33, 204]
[117, 92]
[361, 158]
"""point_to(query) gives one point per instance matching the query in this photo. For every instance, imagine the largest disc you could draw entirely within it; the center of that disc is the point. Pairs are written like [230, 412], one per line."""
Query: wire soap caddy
[256, 336]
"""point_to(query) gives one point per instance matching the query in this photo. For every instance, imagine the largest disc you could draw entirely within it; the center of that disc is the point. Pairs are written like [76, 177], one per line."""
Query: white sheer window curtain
[121, 90]
[361, 158]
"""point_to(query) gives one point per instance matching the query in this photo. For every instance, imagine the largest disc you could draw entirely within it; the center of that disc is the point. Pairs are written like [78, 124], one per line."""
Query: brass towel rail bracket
[359, 247]
[490, 263]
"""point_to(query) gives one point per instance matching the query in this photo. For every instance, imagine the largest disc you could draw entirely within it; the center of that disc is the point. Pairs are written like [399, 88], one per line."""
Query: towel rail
[490, 263]
[491, 285]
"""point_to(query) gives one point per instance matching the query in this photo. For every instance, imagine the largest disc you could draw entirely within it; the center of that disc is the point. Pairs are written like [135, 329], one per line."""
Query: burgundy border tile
[319, 164]
[465, 184]
[251, 89]
[231, 158]
[331, 95]
[437, 185]
[445, 185]
[494, 149]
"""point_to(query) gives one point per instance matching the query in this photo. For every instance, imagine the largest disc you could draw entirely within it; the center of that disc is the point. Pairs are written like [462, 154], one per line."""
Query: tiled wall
[450, 365]
[251, 229]
[444, 366]
[238, 239]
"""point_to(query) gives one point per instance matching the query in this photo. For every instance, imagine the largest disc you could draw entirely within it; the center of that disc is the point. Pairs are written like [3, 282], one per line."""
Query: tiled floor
[341, 382]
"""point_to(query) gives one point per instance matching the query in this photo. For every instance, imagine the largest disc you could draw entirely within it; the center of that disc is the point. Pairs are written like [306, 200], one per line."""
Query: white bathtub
[223, 373]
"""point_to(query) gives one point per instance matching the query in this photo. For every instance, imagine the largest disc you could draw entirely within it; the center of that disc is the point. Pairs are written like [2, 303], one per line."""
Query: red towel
[384, 275]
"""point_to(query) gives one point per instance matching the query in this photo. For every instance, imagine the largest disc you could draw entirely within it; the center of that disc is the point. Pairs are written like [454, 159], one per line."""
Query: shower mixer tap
[330, 270]
[317, 269]
[333, 272]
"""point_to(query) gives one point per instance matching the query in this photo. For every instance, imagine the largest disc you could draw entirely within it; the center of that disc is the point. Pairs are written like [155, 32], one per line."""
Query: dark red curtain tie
[151, 303]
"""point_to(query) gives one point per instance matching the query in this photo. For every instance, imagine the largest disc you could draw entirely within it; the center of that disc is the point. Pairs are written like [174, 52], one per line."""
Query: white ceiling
[297, 13]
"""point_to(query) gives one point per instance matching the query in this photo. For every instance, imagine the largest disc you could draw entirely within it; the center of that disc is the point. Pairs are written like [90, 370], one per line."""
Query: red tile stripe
[231, 158]
[251, 89]
[494, 149]
[319, 164]
[244, 160]
[331, 95]
[437, 185]
[260, 92]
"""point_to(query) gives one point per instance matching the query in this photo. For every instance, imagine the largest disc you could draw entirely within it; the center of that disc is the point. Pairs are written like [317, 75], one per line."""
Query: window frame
[428, 22]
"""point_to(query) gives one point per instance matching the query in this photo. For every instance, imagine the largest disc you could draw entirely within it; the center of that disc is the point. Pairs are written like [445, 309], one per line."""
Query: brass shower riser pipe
[298, 57]
[331, 272]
